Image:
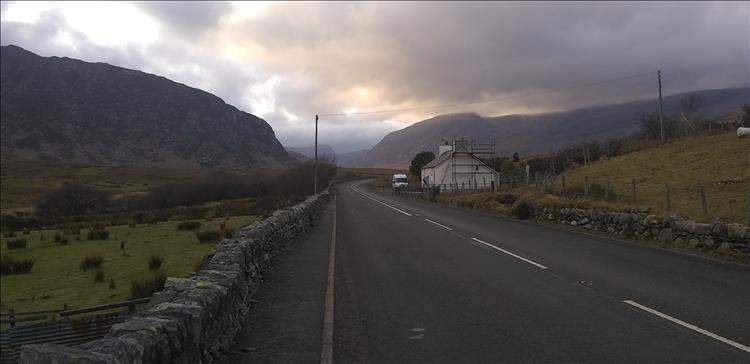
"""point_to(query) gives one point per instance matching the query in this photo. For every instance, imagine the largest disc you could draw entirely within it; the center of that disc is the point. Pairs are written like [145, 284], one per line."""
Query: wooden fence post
[704, 206]
[634, 199]
[606, 190]
[563, 185]
[586, 187]
[668, 198]
[527, 175]
[12, 318]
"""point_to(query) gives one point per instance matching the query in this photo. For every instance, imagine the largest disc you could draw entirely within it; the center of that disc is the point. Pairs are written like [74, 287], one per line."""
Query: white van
[400, 181]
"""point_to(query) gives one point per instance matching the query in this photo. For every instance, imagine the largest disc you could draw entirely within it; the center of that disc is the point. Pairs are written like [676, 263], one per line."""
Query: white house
[456, 167]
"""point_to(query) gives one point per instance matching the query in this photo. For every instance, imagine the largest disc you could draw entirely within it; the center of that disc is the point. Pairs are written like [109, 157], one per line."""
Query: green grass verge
[56, 278]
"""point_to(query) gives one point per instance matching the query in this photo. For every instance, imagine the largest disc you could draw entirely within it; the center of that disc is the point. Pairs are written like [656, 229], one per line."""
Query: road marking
[439, 224]
[380, 202]
[509, 253]
[326, 354]
[689, 326]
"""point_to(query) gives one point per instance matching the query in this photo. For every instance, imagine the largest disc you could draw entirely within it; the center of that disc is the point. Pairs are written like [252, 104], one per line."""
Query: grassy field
[56, 278]
[719, 164]
[24, 183]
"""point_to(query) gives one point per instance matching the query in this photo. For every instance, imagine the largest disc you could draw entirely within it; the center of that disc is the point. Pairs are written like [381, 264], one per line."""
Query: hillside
[62, 109]
[541, 133]
[309, 152]
[324, 150]
[720, 164]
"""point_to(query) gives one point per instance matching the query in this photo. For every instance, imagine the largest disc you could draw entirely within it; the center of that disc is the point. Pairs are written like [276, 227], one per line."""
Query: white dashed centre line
[509, 253]
[438, 224]
[382, 203]
[689, 326]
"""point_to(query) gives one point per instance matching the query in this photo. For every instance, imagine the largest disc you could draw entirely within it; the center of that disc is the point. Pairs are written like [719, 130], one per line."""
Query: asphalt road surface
[417, 282]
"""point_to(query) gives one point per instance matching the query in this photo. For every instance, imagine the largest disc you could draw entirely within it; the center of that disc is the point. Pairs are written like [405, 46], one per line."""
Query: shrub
[72, 200]
[506, 198]
[26, 231]
[99, 276]
[97, 234]
[189, 225]
[210, 236]
[57, 237]
[9, 234]
[132, 224]
[141, 288]
[522, 208]
[16, 243]
[63, 241]
[9, 265]
[91, 261]
[155, 261]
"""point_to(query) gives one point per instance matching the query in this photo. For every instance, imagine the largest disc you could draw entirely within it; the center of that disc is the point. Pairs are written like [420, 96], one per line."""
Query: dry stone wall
[674, 229]
[195, 319]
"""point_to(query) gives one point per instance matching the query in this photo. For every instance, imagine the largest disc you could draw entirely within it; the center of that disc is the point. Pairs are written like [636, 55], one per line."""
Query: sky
[286, 62]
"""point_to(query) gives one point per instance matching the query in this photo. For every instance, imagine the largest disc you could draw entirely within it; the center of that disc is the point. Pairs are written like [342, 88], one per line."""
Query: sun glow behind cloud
[104, 23]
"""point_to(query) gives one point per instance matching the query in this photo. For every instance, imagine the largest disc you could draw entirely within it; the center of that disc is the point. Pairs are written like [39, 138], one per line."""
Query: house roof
[447, 155]
[440, 159]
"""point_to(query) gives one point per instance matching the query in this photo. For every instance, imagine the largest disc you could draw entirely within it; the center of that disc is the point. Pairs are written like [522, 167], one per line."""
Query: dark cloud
[314, 58]
[187, 19]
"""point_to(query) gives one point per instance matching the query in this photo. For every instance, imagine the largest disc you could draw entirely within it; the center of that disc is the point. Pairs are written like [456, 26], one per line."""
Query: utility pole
[315, 164]
[661, 113]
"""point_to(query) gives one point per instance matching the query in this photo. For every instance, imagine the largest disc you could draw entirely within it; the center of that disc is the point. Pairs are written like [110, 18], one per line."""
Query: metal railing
[67, 330]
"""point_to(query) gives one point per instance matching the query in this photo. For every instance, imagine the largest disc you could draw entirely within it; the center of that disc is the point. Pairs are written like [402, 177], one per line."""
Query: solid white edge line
[689, 326]
[380, 202]
[511, 254]
[439, 224]
[326, 353]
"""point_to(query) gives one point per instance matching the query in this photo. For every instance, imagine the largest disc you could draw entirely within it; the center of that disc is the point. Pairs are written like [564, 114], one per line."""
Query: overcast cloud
[286, 62]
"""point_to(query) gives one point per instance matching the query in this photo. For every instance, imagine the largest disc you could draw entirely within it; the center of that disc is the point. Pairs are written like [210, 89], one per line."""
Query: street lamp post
[315, 164]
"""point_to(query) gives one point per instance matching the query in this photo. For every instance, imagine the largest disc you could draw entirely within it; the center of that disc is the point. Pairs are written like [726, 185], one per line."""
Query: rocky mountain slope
[55, 108]
[527, 134]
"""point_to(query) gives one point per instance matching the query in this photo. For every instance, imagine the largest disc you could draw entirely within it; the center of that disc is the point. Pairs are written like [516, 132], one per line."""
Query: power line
[542, 92]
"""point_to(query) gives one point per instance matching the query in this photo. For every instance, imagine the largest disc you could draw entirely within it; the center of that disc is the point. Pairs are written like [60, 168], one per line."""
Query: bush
[9, 234]
[210, 236]
[72, 200]
[142, 288]
[63, 241]
[506, 198]
[16, 243]
[99, 276]
[26, 231]
[155, 261]
[522, 209]
[189, 225]
[9, 265]
[91, 261]
[132, 224]
[96, 234]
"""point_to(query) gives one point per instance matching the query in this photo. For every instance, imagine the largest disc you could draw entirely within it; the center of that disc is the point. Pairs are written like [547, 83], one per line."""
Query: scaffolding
[473, 149]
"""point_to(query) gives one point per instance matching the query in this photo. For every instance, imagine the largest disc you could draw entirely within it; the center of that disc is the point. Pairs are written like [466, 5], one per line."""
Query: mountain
[540, 133]
[348, 159]
[65, 109]
[309, 152]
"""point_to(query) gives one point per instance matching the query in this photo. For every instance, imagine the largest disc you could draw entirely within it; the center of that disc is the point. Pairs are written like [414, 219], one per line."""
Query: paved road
[421, 282]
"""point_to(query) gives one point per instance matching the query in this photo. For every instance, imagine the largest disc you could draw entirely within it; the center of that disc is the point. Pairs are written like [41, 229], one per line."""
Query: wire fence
[723, 200]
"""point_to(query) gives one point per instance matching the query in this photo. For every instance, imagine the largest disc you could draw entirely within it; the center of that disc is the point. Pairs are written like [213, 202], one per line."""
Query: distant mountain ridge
[65, 109]
[325, 150]
[540, 133]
